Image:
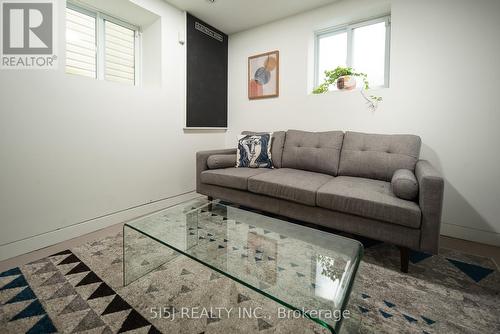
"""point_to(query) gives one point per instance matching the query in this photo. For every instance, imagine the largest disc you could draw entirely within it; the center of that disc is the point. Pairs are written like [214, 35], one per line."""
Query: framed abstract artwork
[264, 75]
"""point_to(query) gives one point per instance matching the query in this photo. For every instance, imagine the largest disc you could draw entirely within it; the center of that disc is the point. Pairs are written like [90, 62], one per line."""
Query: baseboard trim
[50, 238]
[53, 237]
[470, 234]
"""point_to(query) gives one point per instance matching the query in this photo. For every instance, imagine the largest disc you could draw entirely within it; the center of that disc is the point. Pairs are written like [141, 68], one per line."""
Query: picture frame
[263, 75]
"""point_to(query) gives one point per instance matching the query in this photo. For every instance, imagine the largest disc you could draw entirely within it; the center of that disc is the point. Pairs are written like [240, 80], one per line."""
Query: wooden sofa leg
[405, 258]
[210, 199]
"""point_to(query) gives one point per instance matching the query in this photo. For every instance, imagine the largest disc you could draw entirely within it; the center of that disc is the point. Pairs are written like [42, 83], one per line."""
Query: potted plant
[345, 79]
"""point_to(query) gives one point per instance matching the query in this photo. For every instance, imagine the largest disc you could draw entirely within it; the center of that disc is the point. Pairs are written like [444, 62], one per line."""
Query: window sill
[336, 91]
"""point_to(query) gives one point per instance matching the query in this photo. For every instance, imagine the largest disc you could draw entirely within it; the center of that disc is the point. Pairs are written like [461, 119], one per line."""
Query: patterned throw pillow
[254, 151]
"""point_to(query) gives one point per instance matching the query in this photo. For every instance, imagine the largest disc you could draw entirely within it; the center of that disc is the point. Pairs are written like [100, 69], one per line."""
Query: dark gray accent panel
[206, 75]
[377, 156]
[313, 151]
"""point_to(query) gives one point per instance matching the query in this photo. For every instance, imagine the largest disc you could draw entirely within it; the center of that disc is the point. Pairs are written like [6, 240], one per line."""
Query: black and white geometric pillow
[254, 151]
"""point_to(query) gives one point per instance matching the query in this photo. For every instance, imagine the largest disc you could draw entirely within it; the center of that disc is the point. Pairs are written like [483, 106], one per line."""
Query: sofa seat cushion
[368, 198]
[236, 178]
[291, 184]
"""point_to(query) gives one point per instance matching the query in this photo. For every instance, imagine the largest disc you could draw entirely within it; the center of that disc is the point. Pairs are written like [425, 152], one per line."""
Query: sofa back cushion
[313, 151]
[377, 156]
[277, 142]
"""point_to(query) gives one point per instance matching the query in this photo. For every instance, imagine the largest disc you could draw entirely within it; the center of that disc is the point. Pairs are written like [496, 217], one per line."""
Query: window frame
[100, 39]
[348, 28]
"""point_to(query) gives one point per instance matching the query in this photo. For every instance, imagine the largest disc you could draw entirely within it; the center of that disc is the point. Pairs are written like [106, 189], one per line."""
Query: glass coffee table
[304, 269]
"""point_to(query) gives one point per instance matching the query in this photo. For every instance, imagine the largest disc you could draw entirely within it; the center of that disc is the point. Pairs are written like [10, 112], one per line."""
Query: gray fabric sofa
[338, 180]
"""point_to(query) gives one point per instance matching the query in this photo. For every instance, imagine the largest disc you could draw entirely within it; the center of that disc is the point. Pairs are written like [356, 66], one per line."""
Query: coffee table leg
[142, 255]
[125, 258]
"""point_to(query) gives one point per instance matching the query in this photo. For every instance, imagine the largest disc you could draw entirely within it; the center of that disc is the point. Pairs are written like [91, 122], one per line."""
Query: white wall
[151, 55]
[445, 79]
[73, 149]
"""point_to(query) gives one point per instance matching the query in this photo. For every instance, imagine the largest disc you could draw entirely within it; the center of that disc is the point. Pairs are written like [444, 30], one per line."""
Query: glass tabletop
[302, 268]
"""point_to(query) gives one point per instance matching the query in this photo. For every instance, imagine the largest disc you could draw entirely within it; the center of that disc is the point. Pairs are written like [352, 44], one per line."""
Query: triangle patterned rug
[81, 291]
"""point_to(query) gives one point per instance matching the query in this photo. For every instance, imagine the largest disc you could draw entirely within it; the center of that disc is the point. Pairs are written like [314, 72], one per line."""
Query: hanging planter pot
[345, 79]
[346, 82]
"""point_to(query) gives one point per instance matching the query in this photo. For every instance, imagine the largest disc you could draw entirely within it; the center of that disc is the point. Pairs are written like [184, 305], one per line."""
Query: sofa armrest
[430, 198]
[201, 161]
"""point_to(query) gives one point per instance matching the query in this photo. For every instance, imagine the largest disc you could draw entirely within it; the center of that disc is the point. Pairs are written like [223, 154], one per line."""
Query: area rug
[81, 291]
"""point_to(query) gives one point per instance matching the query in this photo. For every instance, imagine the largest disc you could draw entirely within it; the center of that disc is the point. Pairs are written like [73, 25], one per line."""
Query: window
[100, 47]
[363, 46]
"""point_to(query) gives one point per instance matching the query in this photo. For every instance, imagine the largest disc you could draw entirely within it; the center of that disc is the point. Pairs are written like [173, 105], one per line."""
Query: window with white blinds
[99, 46]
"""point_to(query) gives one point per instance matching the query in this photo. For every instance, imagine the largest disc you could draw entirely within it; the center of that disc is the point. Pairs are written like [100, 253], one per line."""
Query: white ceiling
[231, 16]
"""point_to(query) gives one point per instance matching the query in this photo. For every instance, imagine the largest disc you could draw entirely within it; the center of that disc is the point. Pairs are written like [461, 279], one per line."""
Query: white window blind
[80, 43]
[119, 53]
